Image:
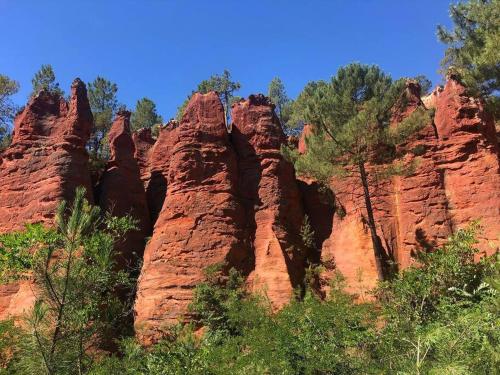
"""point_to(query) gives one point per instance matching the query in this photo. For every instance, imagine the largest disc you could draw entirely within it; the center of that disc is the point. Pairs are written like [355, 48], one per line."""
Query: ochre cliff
[456, 180]
[201, 219]
[271, 198]
[212, 196]
[121, 191]
[44, 164]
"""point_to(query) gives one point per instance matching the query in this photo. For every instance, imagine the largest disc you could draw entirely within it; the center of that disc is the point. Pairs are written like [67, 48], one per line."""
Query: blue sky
[161, 49]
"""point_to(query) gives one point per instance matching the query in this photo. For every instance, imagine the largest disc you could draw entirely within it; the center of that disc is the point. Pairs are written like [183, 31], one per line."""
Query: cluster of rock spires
[206, 197]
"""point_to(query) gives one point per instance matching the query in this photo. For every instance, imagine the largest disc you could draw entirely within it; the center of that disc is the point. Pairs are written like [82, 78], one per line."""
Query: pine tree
[280, 99]
[45, 79]
[8, 87]
[473, 50]
[145, 115]
[351, 116]
[77, 310]
[104, 104]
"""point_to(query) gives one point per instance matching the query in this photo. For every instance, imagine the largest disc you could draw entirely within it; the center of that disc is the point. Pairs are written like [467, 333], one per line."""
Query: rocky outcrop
[121, 191]
[143, 142]
[47, 159]
[271, 198]
[469, 160]
[201, 220]
[45, 163]
[158, 168]
[456, 179]
[231, 199]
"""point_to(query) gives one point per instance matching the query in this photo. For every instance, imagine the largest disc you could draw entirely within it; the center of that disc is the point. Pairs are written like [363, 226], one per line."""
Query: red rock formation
[271, 197]
[143, 142]
[158, 168]
[456, 180]
[47, 159]
[200, 222]
[121, 191]
[44, 164]
[306, 131]
[469, 160]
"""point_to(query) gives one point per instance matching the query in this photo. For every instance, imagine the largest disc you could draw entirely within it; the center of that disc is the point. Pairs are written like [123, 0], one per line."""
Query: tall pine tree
[473, 47]
[104, 104]
[351, 115]
[145, 115]
[45, 79]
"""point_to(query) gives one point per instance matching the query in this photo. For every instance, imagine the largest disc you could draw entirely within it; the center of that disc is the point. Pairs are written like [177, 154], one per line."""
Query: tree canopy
[145, 115]
[277, 94]
[472, 46]
[8, 87]
[104, 104]
[351, 115]
[45, 79]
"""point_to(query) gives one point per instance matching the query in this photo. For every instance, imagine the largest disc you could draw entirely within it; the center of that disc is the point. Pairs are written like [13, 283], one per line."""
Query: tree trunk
[381, 258]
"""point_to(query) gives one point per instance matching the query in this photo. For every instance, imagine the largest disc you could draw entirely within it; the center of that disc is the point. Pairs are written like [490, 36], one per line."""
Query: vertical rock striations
[470, 162]
[121, 191]
[143, 142]
[159, 162]
[271, 198]
[45, 163]
[47, 159]
[200, 223]
[456, 179]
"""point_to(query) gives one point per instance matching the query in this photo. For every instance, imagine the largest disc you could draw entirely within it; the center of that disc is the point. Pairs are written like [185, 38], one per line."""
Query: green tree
[8, 87]
[223, 85]
[442, 314]
[77, 309]
[425, 84]
[278, 96]
[298, 108]
[104, 104]
[351, 117]
[473, 47]
[145, 115]
[45, 79]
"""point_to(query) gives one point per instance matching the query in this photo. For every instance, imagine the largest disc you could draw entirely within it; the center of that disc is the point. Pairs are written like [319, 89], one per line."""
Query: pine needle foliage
[351, 117]
[77, 309]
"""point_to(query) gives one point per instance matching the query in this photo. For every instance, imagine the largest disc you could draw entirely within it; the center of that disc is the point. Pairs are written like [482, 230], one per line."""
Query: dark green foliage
[77, 309]
[351, 116]
[8, 87]
[307, 234]
[17, 250]
[145, 115]
[299, 112]
[223, 85]
[438, 317]
[279, 97]
[425, 84]
[441, 316]
[104, 104]
[45, 79]
[473, 50]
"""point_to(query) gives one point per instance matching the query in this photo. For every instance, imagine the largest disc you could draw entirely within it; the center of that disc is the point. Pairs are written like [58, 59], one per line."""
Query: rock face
[143, 142]
[271, 198]
[215, 197]
[456, 180]
[121, 191]
[158, 164]
[45, 163]
[201, 220]
[47, 159]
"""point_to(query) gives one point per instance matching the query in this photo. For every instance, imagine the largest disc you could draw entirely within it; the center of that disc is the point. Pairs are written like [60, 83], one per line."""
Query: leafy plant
[77, 310]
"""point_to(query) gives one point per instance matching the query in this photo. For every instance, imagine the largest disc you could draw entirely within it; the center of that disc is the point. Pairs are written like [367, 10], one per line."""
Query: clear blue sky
[162, 48]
